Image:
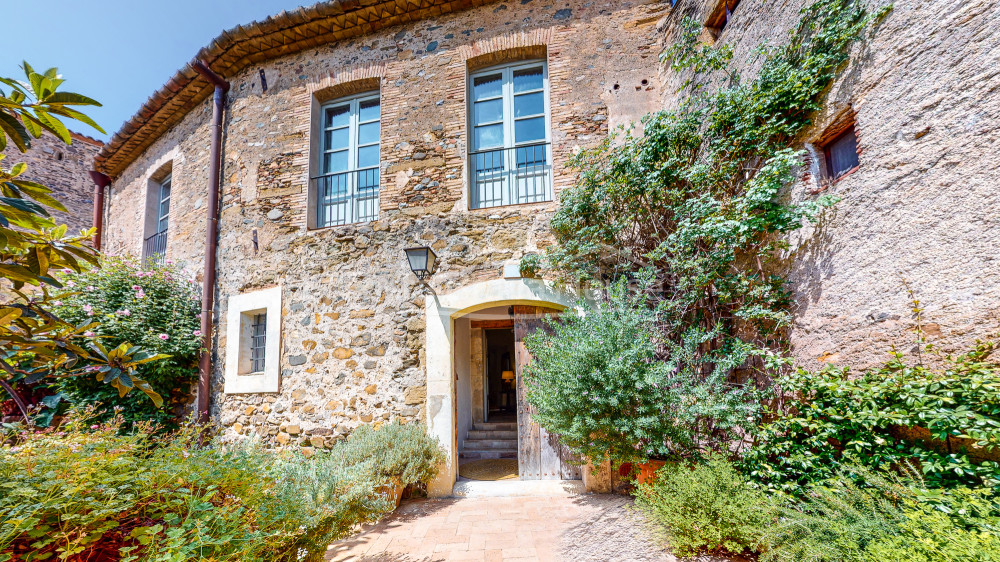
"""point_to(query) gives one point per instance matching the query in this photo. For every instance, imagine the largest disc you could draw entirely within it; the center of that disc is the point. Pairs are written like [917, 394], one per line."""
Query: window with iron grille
[841, 153]
[511, 158]
[347, 186]
[155, 245]
[258, 341]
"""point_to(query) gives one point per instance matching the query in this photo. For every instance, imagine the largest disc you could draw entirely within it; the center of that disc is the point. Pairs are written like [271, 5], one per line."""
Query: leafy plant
[611, 386]
[34, 342]
[404, 452]
[88, 491]
[863, 515]
[706, 507]
[830, 417]
[155, 307]
[696, 200]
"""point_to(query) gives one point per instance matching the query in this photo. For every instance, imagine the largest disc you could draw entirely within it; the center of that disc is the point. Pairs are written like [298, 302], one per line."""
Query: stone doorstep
[517, 488]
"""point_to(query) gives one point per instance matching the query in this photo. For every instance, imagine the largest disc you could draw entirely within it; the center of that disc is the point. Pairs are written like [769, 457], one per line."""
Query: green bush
[706, 507]
[830, 417]
[394, 451]
[860, 515]
[90, 492]
[153, 307]
[601, 382]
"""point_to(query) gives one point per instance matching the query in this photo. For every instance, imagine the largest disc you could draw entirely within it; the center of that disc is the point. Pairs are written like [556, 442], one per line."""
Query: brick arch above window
[348, 82]
[507, 48]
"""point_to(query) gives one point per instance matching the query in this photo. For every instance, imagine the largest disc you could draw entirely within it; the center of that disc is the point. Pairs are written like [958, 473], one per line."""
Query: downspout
[101, 181]
[211, 239]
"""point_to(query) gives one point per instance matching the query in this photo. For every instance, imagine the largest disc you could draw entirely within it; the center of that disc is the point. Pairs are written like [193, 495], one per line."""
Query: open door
[540, 455]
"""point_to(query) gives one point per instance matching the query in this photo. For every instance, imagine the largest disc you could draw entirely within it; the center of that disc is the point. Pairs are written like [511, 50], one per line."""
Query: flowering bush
[156, 309]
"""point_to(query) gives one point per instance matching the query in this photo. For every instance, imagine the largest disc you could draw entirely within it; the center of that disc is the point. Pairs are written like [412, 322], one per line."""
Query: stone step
[495, 426]
[492, 434]
[490, 454]
[479, 444]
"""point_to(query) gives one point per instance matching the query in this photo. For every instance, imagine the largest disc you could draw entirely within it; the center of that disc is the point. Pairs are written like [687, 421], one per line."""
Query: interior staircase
[490, 440]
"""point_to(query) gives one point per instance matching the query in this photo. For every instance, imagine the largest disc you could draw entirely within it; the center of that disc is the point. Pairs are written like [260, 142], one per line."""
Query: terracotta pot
[647, 471]
[393, 491]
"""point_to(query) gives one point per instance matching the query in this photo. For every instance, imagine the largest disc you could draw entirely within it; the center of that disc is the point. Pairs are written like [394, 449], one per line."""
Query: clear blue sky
[118, 51]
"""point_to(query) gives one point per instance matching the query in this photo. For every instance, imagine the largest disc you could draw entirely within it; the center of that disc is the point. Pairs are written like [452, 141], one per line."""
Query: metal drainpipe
[101, 181]
[211, 239]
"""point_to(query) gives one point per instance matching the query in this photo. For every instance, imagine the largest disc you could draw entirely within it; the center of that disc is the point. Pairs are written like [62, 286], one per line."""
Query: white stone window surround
[239, 315]
[514, 170]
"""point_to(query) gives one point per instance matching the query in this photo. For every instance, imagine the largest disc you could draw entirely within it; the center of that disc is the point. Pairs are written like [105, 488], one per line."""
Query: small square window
[253, 325]
[841, 153]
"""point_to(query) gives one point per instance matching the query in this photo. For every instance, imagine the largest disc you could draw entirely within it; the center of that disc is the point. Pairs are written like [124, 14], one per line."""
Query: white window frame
[160, 215]
[352, 214]
[507, 71]
[238, 374]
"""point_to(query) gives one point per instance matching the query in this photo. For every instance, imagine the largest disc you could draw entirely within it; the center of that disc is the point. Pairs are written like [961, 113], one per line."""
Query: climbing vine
[695, 197]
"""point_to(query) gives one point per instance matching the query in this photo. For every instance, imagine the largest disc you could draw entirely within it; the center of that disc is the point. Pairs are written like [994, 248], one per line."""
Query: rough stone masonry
[920, 207]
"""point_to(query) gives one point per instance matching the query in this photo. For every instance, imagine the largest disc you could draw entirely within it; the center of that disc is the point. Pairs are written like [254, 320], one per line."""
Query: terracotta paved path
[577, 528]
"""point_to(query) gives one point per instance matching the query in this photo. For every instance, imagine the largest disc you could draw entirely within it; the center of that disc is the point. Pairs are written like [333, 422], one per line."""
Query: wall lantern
[422, 261]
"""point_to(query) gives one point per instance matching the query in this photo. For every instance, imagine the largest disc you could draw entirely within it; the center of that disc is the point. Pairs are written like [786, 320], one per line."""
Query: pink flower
[124, 312]
[95, 426]
[196, 332]
[87, 308]
[67, 270]
[164, 337]
[89, 334]
[140, 295]
[70, 284]
[57, 303]
[90, 287]
[136, 288]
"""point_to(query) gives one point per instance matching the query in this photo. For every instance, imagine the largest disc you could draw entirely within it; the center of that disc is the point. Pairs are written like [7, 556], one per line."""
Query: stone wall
[922, 207]
[63, 168]
[352, 326]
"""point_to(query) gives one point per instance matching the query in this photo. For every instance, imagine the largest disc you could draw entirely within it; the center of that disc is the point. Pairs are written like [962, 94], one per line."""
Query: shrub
[90, 492]
[610, 385]
[860, 515]
[706, 507]
[830, 416]
[154, 308]
[394, 451]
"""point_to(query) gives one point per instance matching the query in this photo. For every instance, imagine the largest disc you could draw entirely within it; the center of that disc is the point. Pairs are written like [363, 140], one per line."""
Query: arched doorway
[450, 409]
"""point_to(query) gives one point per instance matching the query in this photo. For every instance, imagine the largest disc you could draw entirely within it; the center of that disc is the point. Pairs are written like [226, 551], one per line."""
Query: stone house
[355, 130]
[63, 168]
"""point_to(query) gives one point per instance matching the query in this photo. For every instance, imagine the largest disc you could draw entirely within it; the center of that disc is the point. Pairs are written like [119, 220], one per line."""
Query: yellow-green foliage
[88, 491]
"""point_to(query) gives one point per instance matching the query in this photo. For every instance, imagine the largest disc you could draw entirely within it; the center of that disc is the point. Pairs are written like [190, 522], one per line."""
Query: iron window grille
[154, 247]
[347, 188]
[258, 340]
[511, 158]
[841, 154]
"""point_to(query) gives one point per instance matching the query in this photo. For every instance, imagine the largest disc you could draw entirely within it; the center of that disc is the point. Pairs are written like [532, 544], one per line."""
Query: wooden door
[540, 455]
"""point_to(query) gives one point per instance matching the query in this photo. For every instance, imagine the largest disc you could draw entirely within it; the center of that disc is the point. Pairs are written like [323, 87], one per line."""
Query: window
[253, 324]
[258, 338]
[155, 244]
[348, 181]
[510, 160]
[719, 18]
[841, 153]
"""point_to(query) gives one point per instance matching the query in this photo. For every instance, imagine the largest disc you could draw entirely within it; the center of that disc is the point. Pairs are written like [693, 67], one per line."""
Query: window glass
[489, 111]
[370, 110]
[528, 79]
[490, 136]
[529, 104]
[527, 130]
[368, 133]
[337, 139]
[484, 87]
[338, 116]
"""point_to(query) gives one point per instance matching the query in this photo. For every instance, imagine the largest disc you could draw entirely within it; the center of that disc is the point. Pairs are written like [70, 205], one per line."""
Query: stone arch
[442, 311]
